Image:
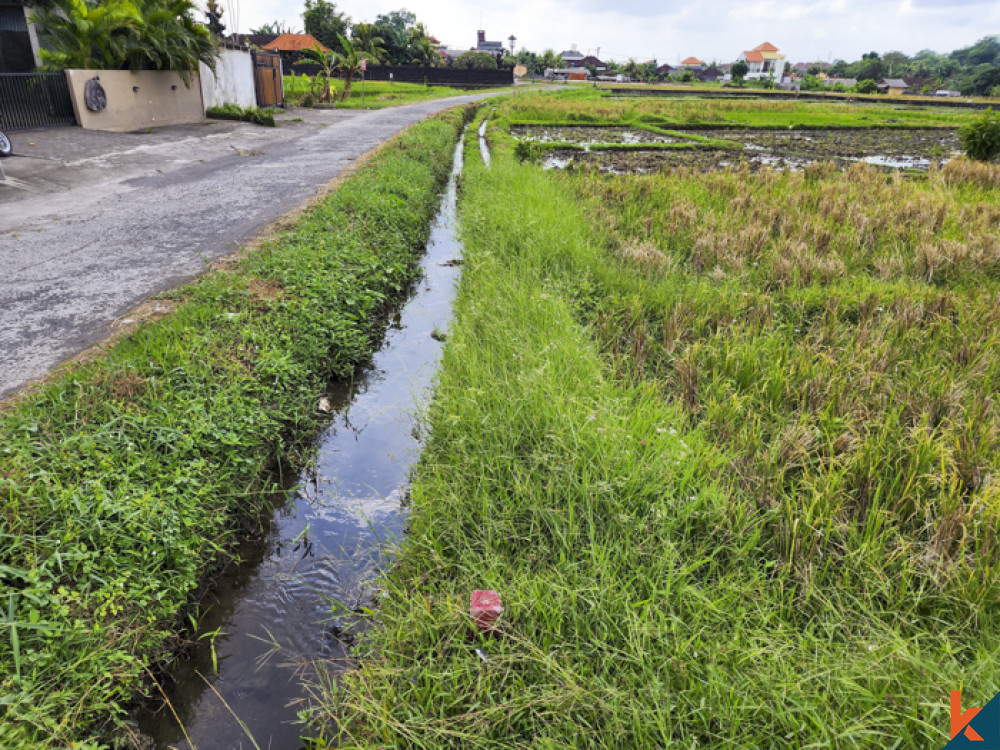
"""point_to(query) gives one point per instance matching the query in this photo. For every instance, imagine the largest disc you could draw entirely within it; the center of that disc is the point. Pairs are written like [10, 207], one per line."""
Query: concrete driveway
[93, 223]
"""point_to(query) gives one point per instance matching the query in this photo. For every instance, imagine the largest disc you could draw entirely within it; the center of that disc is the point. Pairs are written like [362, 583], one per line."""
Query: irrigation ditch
[270, 617]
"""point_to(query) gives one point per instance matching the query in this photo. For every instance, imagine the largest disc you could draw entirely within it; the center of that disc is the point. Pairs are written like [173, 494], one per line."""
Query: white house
[764, 61]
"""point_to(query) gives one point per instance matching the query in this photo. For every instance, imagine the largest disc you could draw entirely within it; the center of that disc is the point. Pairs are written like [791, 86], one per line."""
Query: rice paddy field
[724, 438]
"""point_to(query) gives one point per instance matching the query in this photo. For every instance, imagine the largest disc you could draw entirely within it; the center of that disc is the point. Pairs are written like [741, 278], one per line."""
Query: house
[847, 82]
[692, 63]
[893, 86]
[763, 61]
[592, 62]
[664, 71]
[482, 45]
[18, 40]
[567, 74]
[710, 74]
[572, 57]
[290, 46]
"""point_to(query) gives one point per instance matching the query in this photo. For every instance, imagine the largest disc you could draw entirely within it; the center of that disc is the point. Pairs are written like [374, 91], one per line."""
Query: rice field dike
[125, 481]
[725, 443]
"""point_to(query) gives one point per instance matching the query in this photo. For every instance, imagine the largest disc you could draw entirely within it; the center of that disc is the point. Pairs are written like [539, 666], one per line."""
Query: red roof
[294, 43]
[765, 47]
[753, 56]
[692, 61]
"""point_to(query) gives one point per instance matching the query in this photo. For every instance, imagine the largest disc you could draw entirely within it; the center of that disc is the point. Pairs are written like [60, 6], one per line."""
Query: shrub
[981, 138]
[866, 86]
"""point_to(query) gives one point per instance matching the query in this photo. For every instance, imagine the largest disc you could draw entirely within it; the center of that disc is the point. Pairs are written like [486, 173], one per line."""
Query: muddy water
[331, 539]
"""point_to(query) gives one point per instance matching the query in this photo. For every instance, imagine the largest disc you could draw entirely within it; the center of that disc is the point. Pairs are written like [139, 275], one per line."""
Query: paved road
[117, 218]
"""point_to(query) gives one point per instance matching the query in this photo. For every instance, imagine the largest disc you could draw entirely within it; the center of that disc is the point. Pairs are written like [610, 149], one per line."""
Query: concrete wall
[232, 82]
[33, 36]
[147, 99]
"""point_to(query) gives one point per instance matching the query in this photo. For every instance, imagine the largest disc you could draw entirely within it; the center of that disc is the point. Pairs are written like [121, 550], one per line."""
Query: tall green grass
[120, 482]
[722, 510]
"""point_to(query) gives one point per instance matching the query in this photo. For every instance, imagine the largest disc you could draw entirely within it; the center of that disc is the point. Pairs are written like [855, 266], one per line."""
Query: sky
[670, 31]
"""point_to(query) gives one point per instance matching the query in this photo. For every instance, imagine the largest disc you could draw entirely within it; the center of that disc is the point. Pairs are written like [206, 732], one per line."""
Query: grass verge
[256, 115]
[745, 504]
[376, 94]
[120, 480]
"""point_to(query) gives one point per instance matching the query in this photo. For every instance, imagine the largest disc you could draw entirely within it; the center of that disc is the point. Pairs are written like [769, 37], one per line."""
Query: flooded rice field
[777, 149]
[266, 621]
[588, 135]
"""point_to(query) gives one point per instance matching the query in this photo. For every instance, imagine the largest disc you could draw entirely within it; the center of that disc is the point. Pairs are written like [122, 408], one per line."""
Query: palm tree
[170, 39]
[78, 35]
[348, 63]
[327, 60]
[422, 52]
[366, 40]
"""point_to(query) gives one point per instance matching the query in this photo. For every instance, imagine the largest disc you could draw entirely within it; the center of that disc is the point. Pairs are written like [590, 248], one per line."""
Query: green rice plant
[725, 443]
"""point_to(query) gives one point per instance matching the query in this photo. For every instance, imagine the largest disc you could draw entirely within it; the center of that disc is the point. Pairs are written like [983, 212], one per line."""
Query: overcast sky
[672, 30]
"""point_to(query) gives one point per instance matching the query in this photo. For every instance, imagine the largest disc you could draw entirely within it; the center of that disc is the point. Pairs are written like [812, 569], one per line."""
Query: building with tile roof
[763, 61]
[294, 43]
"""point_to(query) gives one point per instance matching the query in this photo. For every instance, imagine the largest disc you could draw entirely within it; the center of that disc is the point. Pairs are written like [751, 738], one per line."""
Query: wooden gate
[267, 79]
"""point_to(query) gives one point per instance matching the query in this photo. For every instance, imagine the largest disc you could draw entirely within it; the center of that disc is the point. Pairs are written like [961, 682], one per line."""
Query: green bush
[981, 138]
[866, 86]
[255, 115]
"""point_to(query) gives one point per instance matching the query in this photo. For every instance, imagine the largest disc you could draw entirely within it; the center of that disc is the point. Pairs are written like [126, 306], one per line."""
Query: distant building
[592, 62]
[893, 86]
[763, 61]
[482, 45]
[572, 57]
[294, 43]
[692, 63]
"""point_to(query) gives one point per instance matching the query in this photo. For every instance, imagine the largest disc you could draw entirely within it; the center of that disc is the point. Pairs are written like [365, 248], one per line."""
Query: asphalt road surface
[92, 224]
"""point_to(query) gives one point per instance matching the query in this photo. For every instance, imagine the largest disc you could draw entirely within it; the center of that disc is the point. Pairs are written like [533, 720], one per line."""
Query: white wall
[232, 82]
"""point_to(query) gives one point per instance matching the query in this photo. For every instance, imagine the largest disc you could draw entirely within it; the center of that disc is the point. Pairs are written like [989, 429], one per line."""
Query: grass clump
[981, 138]
[256, 115]
[726, 444]
[120, 481]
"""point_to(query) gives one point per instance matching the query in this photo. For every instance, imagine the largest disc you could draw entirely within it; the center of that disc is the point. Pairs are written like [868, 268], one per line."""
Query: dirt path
[117, 218]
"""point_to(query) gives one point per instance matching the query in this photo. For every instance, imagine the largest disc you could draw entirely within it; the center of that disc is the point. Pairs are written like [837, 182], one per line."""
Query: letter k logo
[960, 721]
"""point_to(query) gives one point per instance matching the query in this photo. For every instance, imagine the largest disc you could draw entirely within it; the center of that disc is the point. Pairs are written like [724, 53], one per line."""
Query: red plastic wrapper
[485, 609]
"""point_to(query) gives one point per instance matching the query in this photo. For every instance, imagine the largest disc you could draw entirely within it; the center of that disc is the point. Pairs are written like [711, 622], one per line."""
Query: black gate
[35, 100]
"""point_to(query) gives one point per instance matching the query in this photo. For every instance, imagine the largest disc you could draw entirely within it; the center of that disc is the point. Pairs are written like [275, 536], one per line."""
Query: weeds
[120, 480]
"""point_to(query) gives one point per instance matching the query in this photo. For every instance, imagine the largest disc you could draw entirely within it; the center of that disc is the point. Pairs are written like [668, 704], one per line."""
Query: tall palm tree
[327, 60]
[348, 63]
[365, 38]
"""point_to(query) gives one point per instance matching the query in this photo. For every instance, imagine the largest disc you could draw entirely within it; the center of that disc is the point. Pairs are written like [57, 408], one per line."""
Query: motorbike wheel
[6, 147]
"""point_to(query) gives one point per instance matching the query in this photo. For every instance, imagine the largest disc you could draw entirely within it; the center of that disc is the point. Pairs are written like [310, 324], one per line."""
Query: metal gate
[35, 100]
[267, 79]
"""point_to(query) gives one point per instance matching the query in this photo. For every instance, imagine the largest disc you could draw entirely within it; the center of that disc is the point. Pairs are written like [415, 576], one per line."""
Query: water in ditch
[268, 618]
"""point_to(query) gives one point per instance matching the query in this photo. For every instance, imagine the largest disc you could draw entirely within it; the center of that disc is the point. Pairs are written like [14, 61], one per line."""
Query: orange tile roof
[294, 43]
[692, 61]
[765, 47]
[753, 56]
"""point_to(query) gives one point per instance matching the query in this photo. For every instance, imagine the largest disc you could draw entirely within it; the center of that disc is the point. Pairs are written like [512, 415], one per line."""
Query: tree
[550, 59]
[422, 52]
[866, 86]
[320, 88]
[365, 38]
[213, 12]
[122, 34]
[394, 28]
[326, 23]
[739, 71]
[348, 62]
[476, 60]
[274, 27]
